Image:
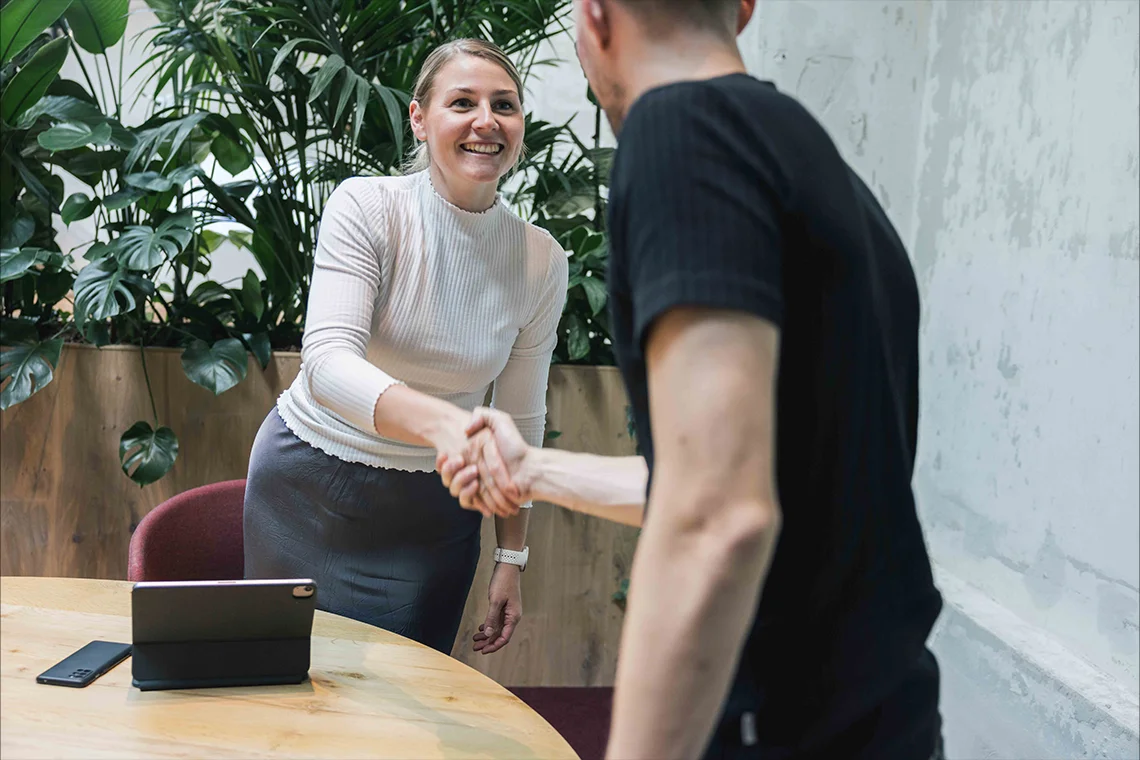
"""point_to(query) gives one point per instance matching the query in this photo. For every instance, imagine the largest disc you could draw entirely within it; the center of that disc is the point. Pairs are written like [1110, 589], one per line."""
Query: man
[765, 320]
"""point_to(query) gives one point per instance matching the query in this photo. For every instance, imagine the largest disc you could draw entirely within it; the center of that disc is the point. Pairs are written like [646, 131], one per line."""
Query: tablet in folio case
[197, 634]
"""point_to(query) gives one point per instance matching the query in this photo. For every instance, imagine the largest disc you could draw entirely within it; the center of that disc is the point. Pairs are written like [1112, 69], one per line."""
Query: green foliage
[147, 454]
[32, 80]
[21, 21]
[29, 368]
[294, 96]
[98, 24]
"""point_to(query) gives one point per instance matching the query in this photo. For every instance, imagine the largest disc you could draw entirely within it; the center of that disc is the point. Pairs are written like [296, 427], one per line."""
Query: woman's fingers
[465, 487]
[448, 468]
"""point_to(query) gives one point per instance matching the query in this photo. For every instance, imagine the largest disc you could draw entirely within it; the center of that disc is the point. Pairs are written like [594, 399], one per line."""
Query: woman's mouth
[484, 148]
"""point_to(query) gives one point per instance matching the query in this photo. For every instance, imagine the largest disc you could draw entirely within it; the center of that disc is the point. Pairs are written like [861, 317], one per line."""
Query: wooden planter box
[67, 509]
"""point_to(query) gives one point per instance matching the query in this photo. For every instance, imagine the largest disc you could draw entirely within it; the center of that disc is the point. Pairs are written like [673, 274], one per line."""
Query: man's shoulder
[701, 101]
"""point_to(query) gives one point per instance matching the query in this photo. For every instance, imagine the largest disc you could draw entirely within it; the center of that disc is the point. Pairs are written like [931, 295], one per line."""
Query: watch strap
[512, 557]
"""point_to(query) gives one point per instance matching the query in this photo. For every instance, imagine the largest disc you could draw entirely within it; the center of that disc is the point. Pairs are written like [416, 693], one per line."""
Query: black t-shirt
[726, 193]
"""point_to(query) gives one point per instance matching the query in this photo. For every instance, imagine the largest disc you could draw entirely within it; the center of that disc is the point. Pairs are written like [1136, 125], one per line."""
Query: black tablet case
[187, 637]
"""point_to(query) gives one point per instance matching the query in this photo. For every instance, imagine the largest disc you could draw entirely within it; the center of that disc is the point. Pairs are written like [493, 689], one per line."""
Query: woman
[426, 292]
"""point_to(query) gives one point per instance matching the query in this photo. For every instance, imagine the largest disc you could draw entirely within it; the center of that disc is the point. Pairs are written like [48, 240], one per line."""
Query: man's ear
[597, 20]
[416, 116]
[744, 14]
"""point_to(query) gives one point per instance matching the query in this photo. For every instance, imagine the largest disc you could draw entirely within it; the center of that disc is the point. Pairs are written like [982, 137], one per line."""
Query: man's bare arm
[712, 525]
[609, 487]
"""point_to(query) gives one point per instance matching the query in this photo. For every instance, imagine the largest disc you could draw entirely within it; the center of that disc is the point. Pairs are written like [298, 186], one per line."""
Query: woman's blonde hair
[420, 159]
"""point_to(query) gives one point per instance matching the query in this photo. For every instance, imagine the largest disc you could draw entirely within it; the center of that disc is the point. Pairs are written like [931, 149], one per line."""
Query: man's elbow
[750, 527]
[734, 528]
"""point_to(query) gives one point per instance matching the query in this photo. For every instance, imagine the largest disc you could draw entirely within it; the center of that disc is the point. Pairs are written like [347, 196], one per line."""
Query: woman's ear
[416, 116]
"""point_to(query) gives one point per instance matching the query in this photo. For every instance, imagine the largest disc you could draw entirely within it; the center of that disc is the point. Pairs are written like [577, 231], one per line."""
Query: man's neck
[654, 64]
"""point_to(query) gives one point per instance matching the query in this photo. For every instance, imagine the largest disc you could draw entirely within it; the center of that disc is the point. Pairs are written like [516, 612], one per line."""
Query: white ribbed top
[408, 288]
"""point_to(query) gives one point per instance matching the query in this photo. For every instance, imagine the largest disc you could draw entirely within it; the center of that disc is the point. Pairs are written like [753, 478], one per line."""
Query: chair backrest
[194, 536]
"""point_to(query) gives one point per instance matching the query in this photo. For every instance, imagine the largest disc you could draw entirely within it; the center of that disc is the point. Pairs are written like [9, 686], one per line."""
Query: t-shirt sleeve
[699, 209]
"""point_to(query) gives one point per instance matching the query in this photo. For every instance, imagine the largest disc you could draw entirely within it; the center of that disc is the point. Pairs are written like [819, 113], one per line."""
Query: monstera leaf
[103, 289]
[144, 247]
[216, 368]
[147, 454]
[15, 262]
[27, 368]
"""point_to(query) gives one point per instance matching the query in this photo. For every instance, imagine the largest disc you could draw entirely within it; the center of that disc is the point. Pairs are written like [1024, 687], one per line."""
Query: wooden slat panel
[67, 510]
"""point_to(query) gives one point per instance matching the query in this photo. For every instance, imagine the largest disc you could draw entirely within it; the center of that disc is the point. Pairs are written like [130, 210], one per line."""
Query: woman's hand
[503, 467]
[455, 449]
[505, 611]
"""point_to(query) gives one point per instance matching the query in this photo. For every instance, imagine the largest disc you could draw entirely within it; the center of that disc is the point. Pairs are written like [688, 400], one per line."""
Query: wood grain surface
[371, 694]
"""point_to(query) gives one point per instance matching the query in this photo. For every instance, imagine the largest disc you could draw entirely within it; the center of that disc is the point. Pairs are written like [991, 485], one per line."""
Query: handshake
[487, 466]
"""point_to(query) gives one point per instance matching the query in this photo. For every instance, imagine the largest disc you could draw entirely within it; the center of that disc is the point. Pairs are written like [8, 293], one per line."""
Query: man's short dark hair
[717, 16]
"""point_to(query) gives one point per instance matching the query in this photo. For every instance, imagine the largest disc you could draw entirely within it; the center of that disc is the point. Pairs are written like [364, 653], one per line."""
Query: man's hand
[505, 610]
[498, 472]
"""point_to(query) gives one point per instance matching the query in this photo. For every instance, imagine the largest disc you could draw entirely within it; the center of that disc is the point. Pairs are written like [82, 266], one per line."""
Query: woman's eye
[462, 103]
[505, 105]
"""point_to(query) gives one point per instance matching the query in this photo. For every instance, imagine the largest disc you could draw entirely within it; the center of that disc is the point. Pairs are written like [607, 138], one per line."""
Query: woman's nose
[485, 119]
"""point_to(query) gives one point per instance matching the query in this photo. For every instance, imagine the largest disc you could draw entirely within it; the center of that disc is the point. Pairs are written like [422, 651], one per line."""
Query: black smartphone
[85, 665]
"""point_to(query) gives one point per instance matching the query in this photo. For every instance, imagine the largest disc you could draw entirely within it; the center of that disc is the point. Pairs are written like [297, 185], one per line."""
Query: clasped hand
[488, 474]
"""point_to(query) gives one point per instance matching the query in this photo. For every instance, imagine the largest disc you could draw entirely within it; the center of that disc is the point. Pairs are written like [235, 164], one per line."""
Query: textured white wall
[858, 66]
[1026, 246]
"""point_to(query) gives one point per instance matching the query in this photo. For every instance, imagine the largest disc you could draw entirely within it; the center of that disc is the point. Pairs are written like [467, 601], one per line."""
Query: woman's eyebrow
[469, 91]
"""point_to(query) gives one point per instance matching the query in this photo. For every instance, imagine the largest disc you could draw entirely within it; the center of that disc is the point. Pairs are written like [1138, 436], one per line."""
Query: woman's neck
[469, 196]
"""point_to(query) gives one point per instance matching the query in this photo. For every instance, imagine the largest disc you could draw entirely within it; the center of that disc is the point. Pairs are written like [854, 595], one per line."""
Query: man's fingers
[480, 418]
[490, 492]
[492, 460]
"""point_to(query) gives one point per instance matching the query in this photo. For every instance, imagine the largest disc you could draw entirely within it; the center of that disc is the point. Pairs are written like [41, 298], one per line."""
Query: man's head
[615, 39]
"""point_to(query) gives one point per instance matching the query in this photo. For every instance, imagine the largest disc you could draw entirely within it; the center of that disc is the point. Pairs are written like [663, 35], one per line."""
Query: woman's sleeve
[342, 297]
[520, 389]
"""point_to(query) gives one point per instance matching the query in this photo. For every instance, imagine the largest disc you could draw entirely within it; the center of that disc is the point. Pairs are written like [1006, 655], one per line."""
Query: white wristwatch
[511, 557]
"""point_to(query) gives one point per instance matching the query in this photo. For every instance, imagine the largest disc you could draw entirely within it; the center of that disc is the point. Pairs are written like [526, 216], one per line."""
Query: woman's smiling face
[473, 123]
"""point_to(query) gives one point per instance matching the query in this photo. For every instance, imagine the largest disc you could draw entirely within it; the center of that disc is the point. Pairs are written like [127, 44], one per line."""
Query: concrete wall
[858, 66]
[1027, 250]
[1026, 247]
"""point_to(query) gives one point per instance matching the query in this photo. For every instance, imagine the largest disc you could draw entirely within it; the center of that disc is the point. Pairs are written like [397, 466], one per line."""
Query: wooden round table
[371, 694]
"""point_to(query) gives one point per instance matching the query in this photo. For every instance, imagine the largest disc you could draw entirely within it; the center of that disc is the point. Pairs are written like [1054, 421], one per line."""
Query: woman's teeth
[481, 148]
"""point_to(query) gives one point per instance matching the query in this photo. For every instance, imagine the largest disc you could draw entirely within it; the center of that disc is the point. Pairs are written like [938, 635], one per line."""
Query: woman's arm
[520, 389]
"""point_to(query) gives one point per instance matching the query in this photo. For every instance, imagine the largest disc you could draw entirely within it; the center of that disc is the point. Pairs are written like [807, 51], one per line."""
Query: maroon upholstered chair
[194, 536]
[580, 713]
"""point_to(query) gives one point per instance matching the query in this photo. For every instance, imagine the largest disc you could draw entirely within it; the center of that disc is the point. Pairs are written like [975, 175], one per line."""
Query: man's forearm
[695, 586]
[609, 487]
